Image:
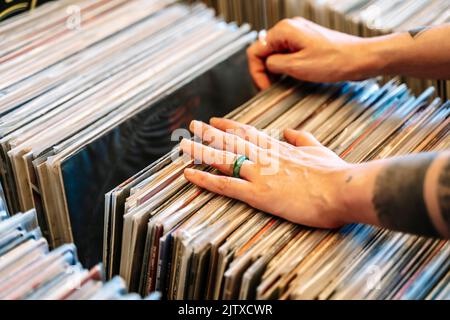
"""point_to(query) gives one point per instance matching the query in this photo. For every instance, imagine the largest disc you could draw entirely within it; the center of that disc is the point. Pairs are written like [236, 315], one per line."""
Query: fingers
[256, 55]
[285, 36]
[301, 138]
[225, 141]
[221, 160]
[230, 187]
[247, 133]
[275, 41]
[281, 64]
[247, 140]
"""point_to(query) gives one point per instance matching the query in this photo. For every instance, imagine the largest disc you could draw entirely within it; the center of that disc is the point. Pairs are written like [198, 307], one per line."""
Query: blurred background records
[358, 17]
[29, 270]
[4, 214]
[89, 96]
[165, 234]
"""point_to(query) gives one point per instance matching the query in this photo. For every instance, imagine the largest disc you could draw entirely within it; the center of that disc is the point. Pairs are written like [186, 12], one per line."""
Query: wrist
[356, 189]
[371, 57]
[364, 61]
[342, 202]
[385, 55]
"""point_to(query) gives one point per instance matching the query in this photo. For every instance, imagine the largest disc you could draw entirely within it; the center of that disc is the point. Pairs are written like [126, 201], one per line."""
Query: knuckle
[208, 136]
[251, 198]
[200, 178]
[224, 184]
[262, 190]
[228, 143]
[248, 131]
[285, 23]
[300, 19]
[240, 131]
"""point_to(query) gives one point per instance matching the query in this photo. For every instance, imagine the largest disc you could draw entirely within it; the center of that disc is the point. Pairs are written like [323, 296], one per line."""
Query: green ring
[237, 166]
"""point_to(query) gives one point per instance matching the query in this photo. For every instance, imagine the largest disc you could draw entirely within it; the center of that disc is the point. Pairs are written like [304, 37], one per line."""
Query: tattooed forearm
[444, 192]
[399, 198]
[416, 32]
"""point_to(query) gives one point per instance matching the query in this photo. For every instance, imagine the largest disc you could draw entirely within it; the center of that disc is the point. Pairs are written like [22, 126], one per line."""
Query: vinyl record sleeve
[140, 140]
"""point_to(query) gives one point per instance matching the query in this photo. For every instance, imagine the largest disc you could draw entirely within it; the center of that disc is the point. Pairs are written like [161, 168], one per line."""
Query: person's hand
[306, 51]
[298, 180]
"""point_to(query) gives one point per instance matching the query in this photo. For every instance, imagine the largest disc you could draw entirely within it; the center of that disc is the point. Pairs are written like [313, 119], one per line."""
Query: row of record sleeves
[87, 101]
[29, 270]
[358, 17]
[163, 233]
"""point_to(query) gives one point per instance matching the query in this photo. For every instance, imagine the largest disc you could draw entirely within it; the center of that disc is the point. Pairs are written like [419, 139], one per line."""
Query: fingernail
[189, 172]
[195, 125]
[183, 142]
[213, 119]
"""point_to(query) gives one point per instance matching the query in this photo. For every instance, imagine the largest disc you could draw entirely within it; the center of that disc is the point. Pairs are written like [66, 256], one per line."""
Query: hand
[306, 51]
[298, 180]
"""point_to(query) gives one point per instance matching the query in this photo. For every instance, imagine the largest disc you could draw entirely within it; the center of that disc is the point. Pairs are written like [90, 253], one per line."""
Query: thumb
[280, 63]
[301, 138]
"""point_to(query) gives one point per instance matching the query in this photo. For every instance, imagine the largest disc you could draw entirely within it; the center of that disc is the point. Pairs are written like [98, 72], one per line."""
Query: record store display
[165, 234]
[358, 17]
[89, 98]
[29, 270]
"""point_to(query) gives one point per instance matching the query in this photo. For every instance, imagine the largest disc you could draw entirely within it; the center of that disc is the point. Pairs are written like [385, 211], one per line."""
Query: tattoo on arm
[399, 195]
[416, 32]
[444, 192]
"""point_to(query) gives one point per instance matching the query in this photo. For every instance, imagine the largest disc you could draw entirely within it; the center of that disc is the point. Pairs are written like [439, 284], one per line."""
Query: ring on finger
[238, 165]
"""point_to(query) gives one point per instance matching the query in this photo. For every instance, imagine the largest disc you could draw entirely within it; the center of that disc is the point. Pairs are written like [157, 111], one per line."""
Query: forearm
[409, 194]
[422, 53]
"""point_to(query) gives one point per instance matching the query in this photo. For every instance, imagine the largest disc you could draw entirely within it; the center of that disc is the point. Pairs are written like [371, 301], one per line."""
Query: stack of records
[90, 96]
[163, 233]
[4, 214]
[28, 270]
[260, 14]
[359, 17]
